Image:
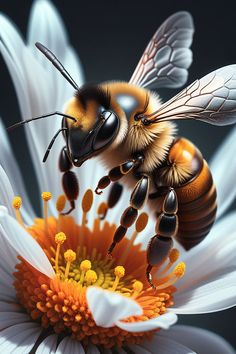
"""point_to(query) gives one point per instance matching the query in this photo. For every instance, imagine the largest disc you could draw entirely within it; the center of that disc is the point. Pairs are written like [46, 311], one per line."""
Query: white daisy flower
[58, 290]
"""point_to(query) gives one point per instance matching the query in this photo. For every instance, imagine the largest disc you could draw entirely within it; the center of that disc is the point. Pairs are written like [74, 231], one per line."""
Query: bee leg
[118, 172]
[166, 227]
[69, 179]
[137, 201]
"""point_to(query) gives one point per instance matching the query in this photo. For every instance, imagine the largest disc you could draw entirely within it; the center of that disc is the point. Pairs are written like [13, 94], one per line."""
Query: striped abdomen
[196, 194]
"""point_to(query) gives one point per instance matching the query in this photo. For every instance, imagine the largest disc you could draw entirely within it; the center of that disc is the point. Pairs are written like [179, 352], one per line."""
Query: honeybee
[126, 124]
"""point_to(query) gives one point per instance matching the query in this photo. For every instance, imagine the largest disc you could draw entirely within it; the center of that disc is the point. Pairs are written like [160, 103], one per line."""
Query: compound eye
[107, 131]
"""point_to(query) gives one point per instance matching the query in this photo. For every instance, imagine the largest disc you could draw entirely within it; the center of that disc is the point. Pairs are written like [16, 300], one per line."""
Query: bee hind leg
[161, 244]
[69, 180]
[137, 201]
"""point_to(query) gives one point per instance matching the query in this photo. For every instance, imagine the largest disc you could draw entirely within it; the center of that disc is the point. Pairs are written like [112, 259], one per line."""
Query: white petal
[24, 244]
[9, 165]
[8, 256]
[48, 345]
[137, 349]
[10, 307]
[213, 295]
[163, 321]
[20, 338]
[200, 340]
[71, 346]
[163, 345]
[112, 306]
[216, 253]
[223, 167]
[92, 349]
[8, 319]
[6, 191]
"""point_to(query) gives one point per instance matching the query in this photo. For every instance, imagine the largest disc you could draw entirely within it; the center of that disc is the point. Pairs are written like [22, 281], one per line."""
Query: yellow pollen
[60, 238]
[70, 256]
[85, 265]
[179, 270]
[61, 203]
[174, 255]
[17, 202]
[138, 287]
[46, 196]
[119, 273]
[91, 277]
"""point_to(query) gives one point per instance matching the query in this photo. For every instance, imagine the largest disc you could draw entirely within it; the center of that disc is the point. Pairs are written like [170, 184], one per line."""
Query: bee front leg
[137, 201]
[116, 173]
[69, 180]
[161, 244]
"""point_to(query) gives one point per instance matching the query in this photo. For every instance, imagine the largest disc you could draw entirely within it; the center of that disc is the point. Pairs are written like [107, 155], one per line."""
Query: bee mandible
[126, 124]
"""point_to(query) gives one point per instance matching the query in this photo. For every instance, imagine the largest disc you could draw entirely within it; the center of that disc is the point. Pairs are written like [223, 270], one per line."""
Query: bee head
[96, 127]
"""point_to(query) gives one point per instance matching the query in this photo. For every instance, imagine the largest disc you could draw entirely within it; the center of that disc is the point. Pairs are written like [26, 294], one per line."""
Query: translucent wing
[211, 99]
[167, 57]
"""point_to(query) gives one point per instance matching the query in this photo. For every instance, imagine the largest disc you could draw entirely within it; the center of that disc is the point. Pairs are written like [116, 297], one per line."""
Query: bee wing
[211, 99]
[167, 57]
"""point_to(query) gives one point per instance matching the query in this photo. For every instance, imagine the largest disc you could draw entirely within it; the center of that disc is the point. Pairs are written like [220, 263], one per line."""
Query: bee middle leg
[116, 173]
[69, 180]
[161, 244]
[137, 201]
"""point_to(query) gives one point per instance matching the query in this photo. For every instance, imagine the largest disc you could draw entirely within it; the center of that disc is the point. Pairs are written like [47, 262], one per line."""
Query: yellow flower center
[78, 255]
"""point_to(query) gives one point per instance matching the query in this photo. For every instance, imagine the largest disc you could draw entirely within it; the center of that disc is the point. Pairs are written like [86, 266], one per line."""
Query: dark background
[109, 37]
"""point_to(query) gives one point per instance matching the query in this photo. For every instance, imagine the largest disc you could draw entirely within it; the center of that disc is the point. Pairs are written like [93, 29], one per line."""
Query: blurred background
[110, 37]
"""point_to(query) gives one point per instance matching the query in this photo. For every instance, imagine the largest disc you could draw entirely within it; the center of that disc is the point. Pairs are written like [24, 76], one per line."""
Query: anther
[61, 203]
[70, 256]
[59, 239]
[46, 196]
[102, 210]
[179, 270]
[119, 273]
[174, 255]
[91, 277]
[138, 287]
[16, 203]
[84, 267]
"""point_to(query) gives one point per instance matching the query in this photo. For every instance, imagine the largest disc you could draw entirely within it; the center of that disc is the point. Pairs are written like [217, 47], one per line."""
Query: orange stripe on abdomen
[197, 208]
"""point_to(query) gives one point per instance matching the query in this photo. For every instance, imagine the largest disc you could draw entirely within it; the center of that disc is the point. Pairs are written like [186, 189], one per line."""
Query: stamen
[140, 225]
[60, 205]
[119, 273]
[46, 196]
[16, 203]
[102, 210]
[138, 287]
[84, 267]
[173, 257]
[176, 274]
[91, 277]
[70, 256]
[59, 239]
[87, 203]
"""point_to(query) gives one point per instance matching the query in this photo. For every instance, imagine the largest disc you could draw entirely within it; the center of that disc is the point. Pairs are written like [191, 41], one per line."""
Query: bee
[134, 133]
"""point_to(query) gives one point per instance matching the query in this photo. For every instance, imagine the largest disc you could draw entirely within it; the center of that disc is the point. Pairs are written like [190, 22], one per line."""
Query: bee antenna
[52, 142]
[58, 65]
[19, 124]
